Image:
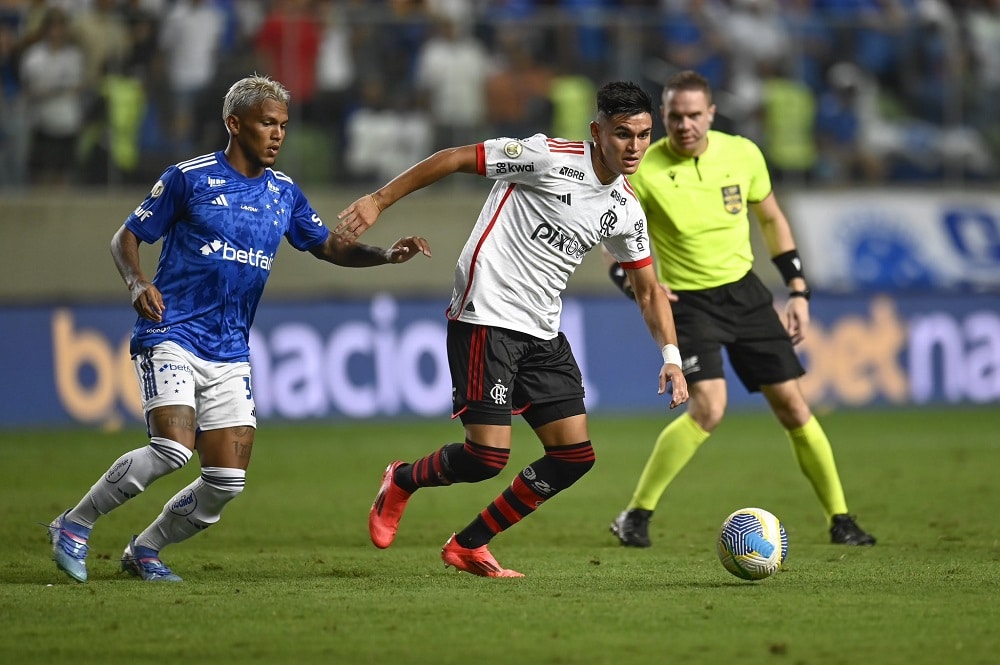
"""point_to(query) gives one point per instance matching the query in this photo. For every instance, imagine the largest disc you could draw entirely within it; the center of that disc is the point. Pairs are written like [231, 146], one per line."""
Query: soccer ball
[752, 544]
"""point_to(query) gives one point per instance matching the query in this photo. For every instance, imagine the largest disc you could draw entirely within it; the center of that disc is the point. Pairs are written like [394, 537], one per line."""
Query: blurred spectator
[584, 41]
[690, 41]
[572, 98]
[450, 79]
[101, 32]
[982, 26]
[13, 130]
[52, 73]
[287, 46]
[812, 42]
[518, 92]
[912, 148]
[190, 38]
[844, 155]
[382, 140]
[789, 120]
[756, 39]
[336, 77]
[873, 34]
[932, 81]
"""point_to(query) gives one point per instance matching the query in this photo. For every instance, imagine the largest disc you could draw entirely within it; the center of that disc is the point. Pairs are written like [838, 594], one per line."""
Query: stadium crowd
[104, 92]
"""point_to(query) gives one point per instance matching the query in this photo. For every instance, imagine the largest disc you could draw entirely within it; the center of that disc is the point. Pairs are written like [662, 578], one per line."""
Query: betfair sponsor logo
[251, 257]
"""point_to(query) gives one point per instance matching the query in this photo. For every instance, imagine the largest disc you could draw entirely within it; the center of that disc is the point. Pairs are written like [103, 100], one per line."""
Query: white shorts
[219, 393]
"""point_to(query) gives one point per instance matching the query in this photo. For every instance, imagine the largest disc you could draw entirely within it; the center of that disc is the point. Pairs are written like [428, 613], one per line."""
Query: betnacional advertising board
[385, 358]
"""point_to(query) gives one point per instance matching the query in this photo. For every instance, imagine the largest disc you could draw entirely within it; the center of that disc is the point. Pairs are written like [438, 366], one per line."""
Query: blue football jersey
[220, 231]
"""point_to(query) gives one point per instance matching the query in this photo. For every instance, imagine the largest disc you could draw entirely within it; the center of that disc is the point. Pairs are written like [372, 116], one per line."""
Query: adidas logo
[565, 198]
[470, 307]
[220, 200]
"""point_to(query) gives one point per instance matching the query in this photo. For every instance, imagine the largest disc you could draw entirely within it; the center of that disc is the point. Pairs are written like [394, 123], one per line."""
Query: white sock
[128, 477]
[195, 508]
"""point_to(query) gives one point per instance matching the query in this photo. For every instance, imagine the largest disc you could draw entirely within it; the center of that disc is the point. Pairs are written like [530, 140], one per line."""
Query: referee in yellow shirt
[697, 187]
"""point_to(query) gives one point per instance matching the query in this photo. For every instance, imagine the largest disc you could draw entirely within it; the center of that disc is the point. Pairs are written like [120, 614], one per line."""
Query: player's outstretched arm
[358, 217]
[342, 252]
[146, 298]
[659, 318]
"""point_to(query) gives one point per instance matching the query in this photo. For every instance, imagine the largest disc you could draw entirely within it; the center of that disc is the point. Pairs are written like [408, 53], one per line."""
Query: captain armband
[618, 276]
[789, 265]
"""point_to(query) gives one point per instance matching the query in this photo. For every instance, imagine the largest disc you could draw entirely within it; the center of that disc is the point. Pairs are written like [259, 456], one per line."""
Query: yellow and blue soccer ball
[752, 544]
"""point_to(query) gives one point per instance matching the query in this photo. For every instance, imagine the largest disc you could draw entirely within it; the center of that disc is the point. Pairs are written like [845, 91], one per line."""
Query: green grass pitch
[289, 575]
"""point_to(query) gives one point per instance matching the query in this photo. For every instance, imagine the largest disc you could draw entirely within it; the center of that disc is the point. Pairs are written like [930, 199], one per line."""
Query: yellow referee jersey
[697, 209]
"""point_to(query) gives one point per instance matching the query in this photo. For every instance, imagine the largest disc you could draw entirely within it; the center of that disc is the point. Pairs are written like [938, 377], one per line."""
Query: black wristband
[805, 293]
[618, 276]
[789, 265]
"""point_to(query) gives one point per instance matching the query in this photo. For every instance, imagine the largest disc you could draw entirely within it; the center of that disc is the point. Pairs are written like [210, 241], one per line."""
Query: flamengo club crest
[499, 393]
[732, 199]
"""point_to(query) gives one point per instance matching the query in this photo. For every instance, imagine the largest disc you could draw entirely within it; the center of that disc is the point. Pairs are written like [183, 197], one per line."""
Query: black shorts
[497, 372]
[740, 317]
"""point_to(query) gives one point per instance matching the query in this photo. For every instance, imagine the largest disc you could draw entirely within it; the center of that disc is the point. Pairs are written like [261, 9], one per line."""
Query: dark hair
[622, 98]
[690, 81]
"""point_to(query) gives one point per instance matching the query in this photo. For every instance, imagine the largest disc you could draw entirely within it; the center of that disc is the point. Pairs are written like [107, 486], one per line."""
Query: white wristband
[671, 355]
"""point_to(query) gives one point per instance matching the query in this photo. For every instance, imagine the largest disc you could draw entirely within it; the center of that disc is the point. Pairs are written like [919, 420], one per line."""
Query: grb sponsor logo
[251, 257]
[570, 172]
[560, 240]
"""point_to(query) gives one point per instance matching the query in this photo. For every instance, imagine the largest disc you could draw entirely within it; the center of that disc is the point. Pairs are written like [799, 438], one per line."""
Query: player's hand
[671, 296]
[673, 375]
[797, 318]
[406, 248]
[358, 217]
[147, 301]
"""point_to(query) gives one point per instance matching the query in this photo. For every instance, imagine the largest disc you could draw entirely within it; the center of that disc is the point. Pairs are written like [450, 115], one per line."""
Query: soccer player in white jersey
[553, 201]
[221, 217]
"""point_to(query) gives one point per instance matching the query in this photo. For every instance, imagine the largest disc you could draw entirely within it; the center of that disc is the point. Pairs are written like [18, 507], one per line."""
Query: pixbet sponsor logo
[560, 240]
[251, 257]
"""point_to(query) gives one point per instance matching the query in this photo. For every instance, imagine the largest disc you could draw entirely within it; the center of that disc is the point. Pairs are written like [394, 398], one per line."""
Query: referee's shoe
[632, 527]
[845, 531]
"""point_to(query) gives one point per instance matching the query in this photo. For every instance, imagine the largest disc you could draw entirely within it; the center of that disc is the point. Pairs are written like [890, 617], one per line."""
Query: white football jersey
[545, 212]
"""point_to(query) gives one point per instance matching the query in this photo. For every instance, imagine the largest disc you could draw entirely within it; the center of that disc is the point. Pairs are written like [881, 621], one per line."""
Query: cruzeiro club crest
[732, 199]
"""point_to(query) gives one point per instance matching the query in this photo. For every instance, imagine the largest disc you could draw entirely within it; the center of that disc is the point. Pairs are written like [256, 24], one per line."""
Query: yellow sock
[815, 457]
[675, 446]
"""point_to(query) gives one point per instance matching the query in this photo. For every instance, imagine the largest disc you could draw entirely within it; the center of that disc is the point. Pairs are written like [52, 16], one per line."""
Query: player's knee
[218, 487]
[472, 463]
[567, 464]
[168, 453]
[580, 460]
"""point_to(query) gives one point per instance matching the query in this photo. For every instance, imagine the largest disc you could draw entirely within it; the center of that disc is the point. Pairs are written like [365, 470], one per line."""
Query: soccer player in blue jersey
[221, 217]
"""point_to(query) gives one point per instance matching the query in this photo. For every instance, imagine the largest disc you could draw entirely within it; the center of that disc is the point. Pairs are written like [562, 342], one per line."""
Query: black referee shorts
[497, 372]
[740, 317]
